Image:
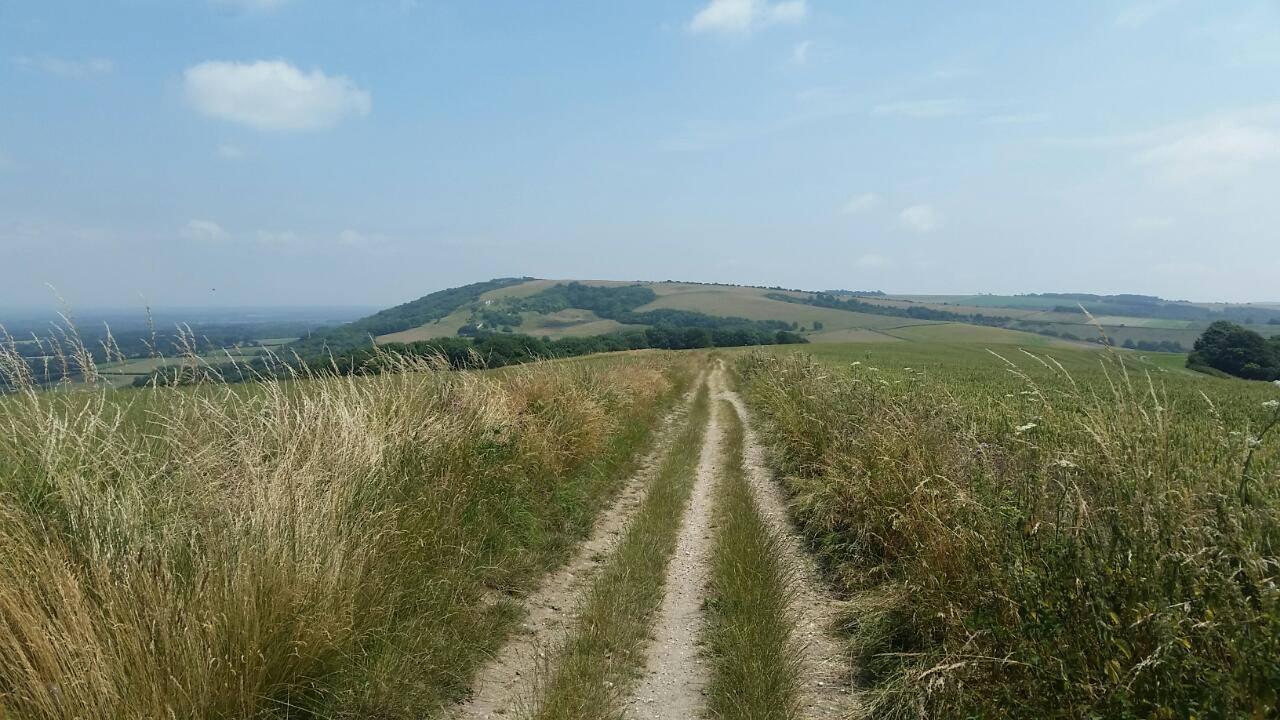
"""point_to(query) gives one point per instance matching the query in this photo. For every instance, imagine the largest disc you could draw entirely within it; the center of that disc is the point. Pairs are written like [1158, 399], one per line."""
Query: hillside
[542, 308]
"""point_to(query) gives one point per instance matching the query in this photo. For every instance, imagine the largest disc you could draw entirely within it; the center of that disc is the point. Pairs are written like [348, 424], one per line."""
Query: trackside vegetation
[1018, 539]
[327, 547]
[755, 669]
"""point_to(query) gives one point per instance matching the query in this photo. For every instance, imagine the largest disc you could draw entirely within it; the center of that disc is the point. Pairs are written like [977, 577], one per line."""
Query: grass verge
[314, 549]
[588, 674]
[755, 671]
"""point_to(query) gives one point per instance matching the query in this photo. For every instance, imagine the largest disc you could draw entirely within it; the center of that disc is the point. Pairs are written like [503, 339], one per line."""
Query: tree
[1238, 351]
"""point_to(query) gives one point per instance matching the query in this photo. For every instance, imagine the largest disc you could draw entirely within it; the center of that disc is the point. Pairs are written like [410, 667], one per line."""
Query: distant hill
[555, 309]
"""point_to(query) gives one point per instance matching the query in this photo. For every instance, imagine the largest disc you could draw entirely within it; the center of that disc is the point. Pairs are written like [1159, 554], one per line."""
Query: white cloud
[230, 152]
[922, 109]
[1135, 15]
[1215, 151]
[72, 69]
[741, 17]
[873, 261]
[204, 231]
[920, 218]
[859, 204]
[800, 53]
[272, 95]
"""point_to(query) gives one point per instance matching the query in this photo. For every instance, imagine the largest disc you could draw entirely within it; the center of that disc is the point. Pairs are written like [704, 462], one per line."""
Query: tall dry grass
[1024, 543]
[330, 547]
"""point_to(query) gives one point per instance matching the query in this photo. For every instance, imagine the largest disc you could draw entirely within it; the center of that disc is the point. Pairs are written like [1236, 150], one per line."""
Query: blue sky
[292, 152]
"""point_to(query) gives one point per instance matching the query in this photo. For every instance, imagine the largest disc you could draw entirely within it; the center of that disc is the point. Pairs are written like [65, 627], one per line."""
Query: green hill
[556, 309]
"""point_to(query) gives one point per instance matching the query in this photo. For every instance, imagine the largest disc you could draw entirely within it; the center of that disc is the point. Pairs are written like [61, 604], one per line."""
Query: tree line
[490, 350]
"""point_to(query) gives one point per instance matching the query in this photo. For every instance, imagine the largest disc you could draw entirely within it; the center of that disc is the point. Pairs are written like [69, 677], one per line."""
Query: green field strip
[755, 666]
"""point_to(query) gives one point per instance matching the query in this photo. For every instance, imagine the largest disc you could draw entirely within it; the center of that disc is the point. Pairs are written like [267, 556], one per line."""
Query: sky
[367, 152]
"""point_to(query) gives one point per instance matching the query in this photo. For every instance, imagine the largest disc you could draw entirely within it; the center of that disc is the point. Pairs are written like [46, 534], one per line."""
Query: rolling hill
[558, 309]
[552, 309]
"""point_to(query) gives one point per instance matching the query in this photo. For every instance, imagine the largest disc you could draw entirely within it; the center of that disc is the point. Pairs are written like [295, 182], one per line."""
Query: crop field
[964, 333]
[1071, 533]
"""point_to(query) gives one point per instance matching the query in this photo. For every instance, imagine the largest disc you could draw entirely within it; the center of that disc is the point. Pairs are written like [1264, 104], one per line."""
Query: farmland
[946, 527]
[1068, 533]
[905, 517]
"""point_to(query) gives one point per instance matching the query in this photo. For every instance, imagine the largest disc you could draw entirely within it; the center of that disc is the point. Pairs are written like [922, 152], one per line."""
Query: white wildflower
[1252, 441]
[1271, 404]
[1065, 463]
[1024, 428]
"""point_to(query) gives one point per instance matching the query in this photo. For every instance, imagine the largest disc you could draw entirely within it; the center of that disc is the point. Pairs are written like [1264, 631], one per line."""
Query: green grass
[754, 665]
[965, 333]
[320, 548]
[1054, 536]
[605, 649]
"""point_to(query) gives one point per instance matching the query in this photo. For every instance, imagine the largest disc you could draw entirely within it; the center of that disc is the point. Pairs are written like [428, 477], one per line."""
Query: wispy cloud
[273, 95]
[1137, 14]
[358, 240]
[872, 261]
[1212, 152]
[203, 231]
[860, 204]
[920, 219]
[922, 108]
[742, 17]
[71, 69]
[800, 53]
[230, 152]
[248, 5]
[1016, 119]
[280, 239]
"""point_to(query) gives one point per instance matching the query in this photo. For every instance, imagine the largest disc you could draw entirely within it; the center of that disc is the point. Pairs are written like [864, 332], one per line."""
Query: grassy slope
[839, 326]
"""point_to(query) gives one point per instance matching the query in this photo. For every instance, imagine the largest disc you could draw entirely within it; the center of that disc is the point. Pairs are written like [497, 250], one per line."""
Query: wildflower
[1065, 463]
[1252, 441]
[1024, 428]
[1271, 404]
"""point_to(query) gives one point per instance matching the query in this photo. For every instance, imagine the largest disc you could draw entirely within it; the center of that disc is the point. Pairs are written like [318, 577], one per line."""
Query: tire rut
[504, 686]
[675, 676]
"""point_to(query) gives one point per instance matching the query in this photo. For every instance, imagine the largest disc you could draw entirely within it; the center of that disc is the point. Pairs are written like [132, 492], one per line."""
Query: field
[1022, 319]
[940, 520]
[1068, 533]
